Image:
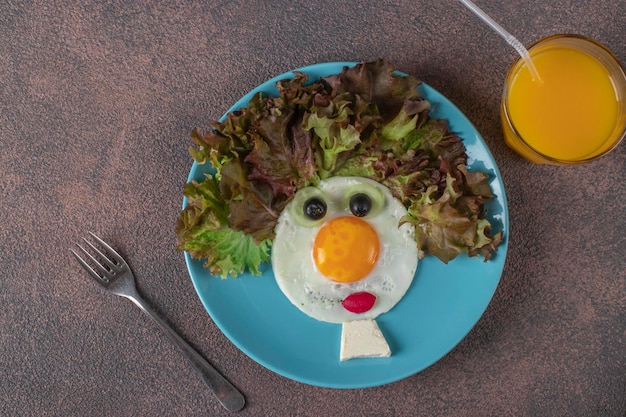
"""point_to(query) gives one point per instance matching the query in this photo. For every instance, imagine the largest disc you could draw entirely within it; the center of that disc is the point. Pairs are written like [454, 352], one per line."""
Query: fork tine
[105, 270]
[111, 264]
[89, 268]
[112, 252]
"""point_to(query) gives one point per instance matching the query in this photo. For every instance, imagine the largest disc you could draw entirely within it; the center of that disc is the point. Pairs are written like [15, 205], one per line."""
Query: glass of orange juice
[575, 112]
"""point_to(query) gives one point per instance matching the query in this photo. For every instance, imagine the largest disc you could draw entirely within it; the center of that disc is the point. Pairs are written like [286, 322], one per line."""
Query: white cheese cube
[362, 339]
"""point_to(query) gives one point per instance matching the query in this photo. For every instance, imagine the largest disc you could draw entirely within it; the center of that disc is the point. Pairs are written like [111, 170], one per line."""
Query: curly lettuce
[366, 121]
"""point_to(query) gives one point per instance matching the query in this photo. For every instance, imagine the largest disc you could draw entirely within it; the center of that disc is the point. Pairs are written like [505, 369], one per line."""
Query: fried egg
[340, 254]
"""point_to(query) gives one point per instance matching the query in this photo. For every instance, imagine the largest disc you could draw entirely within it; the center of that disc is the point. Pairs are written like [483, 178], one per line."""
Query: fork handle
[226, 393]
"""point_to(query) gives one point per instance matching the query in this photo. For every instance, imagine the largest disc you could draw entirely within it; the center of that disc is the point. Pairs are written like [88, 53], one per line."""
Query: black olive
[360, 204]
[314, 208]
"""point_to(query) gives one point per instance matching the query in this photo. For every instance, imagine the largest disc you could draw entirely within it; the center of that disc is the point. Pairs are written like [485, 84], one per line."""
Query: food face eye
[360, 204]
[364, 200]
[314, 208]
[309, 206]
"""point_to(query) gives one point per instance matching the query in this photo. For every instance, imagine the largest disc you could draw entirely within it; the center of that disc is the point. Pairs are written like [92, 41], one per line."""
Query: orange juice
[574, 113]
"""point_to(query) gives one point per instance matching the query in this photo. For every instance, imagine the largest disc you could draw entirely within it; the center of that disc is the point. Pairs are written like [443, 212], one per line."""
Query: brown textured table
[97, 103]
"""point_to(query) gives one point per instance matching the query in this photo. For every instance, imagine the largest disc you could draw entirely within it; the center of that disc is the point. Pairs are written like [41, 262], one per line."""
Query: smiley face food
[339, 253]
[347, 182]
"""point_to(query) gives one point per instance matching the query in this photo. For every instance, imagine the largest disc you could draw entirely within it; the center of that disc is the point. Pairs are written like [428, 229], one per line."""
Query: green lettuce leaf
[203, 231]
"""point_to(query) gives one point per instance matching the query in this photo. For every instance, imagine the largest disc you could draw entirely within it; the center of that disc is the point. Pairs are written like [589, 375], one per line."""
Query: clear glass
[607, 142]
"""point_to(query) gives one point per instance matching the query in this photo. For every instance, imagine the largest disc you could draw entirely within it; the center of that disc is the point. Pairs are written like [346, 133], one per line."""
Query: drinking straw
[510, 39]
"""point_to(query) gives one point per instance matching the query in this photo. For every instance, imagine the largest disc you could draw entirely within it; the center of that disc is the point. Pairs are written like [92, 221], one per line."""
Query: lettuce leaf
[203, 231]
[450, 224]
[365, 121]
[334, 134]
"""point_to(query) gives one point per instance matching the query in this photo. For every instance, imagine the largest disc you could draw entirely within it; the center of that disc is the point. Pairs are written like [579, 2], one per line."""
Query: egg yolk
[346, 249]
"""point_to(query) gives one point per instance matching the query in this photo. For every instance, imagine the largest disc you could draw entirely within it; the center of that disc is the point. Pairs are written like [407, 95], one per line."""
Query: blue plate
[441, 307]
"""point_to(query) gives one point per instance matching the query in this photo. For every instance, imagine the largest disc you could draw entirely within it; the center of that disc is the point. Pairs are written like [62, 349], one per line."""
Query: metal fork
[112, 272]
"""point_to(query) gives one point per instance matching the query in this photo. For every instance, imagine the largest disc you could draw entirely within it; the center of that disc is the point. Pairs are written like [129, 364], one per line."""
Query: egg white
[317, 296]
